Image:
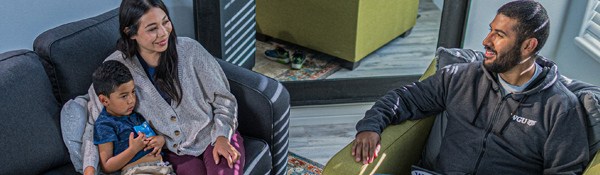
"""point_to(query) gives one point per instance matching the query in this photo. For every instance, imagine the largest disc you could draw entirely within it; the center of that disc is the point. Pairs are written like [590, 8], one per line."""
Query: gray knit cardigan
[207, 109]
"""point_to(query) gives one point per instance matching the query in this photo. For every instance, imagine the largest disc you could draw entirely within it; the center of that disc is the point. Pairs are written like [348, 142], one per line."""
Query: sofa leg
[405, 34]
[262, 37]
[348, 64]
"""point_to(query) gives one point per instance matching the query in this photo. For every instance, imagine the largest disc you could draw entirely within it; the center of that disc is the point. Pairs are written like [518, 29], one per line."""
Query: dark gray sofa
[35, 85]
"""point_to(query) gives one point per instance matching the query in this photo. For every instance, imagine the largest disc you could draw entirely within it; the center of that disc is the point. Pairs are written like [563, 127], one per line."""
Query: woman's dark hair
[532, 20]
[109, 76]
[166, 76]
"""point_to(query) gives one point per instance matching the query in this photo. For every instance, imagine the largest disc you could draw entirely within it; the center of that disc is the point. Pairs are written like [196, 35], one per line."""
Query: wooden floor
[319, 132]
[403, 56]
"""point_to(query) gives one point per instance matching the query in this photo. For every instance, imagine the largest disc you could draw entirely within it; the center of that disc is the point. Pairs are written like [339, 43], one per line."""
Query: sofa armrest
[594, 166]
[263, 110]
[402, 144]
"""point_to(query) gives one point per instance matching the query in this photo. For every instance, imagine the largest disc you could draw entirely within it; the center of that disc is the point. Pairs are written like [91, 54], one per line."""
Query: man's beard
[504, 61]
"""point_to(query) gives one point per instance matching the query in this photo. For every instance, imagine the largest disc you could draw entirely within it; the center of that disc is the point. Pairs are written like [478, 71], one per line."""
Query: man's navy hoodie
[539, 130]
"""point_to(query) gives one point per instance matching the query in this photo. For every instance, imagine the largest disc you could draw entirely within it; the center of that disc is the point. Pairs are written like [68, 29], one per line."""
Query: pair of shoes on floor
[282, 56]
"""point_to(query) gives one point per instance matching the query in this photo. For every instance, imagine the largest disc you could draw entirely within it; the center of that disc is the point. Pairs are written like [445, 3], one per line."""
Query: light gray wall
[565, 22]
[439, 4]
[572, 61]
[182, 14]
[23, 20]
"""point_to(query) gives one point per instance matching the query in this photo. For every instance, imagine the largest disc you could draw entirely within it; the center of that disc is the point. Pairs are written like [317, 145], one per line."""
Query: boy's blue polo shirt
[109, 128]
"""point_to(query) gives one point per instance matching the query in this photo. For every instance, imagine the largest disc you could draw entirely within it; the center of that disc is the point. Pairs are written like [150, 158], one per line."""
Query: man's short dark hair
[108, 77]
[532, 21]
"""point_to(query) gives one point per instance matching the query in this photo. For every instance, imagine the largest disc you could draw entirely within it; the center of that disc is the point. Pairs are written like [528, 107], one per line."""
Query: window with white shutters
[589, 37]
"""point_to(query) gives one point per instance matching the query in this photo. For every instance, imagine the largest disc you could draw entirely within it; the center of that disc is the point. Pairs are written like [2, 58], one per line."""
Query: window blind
[592, 32]
[589, 39]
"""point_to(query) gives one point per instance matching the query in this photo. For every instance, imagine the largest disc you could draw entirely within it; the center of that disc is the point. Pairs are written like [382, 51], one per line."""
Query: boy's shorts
[149, 168]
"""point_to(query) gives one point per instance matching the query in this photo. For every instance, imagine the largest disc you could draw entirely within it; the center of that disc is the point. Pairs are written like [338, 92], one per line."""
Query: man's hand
[366, 146]
[223, 148]
[138, 143]
[156, 143]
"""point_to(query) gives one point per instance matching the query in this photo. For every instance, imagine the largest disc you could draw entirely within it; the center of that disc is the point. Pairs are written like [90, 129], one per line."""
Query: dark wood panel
[344, 90]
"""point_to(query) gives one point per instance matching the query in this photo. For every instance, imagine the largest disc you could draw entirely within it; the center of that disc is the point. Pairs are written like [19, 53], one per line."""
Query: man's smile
[489, 52]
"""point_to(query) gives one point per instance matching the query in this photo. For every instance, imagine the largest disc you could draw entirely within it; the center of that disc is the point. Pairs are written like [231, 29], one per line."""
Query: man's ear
[528, 46]
[103, 99]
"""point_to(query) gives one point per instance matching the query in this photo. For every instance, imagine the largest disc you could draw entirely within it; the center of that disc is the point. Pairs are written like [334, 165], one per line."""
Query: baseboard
[352, 90]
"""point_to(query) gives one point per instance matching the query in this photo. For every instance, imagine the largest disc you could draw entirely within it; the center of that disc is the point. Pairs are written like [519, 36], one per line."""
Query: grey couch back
[71, 52]
[34, 85]
[30, 135]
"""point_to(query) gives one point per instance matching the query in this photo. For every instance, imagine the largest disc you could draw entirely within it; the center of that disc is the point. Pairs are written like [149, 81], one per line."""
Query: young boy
[119, 147]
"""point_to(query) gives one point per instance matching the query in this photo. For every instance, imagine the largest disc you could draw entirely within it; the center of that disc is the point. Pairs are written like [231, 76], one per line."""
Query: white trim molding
[589, 48]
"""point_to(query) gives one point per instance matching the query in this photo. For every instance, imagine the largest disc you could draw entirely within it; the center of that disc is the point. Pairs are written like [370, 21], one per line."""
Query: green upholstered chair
[594, 166]
[348, 29]
[403, 145]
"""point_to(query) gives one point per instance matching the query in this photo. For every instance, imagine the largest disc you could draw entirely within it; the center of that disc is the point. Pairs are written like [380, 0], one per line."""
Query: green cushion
[594, 166]
[348, 29]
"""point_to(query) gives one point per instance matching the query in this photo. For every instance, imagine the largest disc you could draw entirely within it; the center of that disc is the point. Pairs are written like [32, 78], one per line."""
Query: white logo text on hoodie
[524, 120]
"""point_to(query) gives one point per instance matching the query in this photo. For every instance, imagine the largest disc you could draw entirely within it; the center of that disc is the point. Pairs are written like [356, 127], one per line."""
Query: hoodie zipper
[487, 133]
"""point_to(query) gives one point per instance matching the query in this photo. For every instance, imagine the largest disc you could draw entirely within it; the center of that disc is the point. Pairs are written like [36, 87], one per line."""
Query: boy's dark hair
[108, 77]
[532, 21]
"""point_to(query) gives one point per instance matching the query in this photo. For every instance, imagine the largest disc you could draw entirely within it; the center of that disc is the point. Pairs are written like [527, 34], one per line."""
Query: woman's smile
[163, 42]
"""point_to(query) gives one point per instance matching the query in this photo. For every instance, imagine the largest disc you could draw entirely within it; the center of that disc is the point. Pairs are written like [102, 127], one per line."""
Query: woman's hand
[156, 143]
[223, 148]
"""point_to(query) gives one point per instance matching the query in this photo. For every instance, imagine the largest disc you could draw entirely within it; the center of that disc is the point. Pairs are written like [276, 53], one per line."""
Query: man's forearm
[411, 102]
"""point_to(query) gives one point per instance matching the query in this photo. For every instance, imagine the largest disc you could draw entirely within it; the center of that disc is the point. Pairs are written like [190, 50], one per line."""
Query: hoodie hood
[545, 80]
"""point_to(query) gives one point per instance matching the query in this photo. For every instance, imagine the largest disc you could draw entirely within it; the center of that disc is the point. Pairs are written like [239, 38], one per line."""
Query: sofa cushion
[30, 129]
[72, 119]
[445, 56]
[66, 169]
[71, 52]
[589, 97]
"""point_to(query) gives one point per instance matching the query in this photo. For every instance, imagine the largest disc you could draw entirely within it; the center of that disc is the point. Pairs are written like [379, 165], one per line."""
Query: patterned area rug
[316, 66]
[298, 165]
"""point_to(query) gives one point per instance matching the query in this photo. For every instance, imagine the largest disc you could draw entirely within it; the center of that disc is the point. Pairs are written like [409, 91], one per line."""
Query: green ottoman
[348, 29]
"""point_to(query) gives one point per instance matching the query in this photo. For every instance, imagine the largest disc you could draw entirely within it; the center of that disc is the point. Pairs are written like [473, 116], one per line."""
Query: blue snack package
[144, 128]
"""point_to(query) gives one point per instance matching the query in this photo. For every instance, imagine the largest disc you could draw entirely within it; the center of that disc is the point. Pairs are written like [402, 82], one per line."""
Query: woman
[182, 92]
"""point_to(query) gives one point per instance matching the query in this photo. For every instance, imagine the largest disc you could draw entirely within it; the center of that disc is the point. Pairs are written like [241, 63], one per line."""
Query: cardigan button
[176, 133]
[175, 145]
[173, 118]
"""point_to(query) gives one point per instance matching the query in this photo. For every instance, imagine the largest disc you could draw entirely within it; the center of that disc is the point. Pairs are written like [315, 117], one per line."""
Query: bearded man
[506, 114]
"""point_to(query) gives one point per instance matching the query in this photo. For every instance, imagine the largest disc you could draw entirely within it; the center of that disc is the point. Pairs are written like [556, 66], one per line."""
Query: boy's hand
[156, 143]
[138, 143]
[90, 170]
[223, 148]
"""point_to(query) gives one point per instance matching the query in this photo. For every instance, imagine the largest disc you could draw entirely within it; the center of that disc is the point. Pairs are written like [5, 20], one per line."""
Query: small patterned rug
[316, 66]
[298, 165]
